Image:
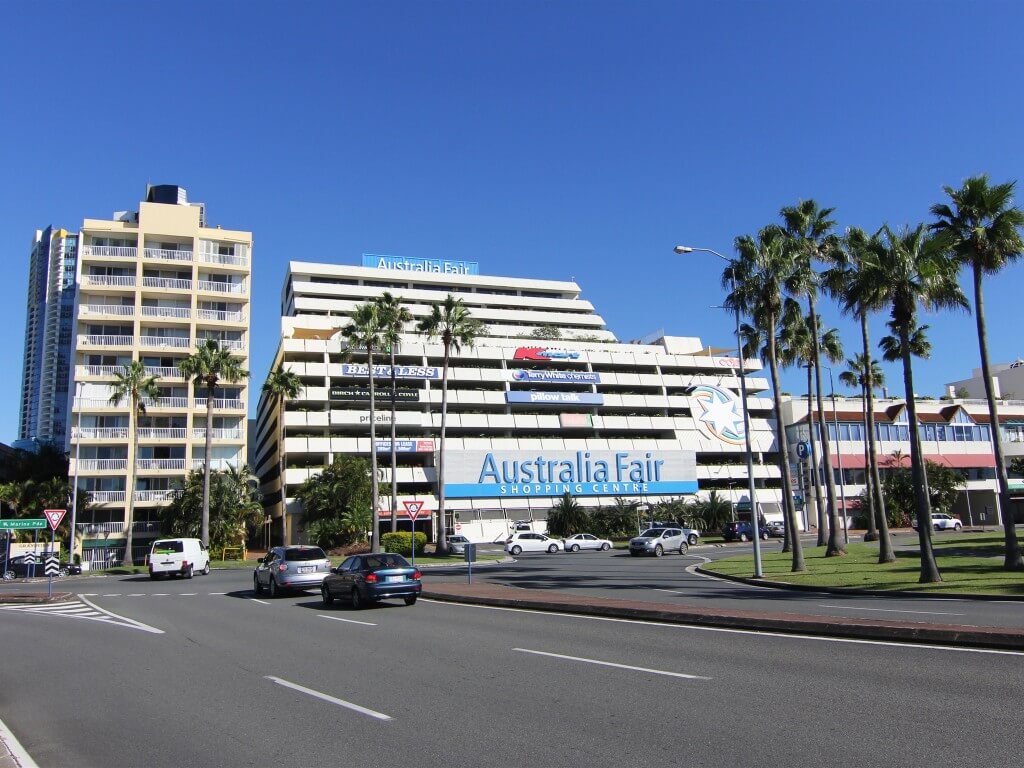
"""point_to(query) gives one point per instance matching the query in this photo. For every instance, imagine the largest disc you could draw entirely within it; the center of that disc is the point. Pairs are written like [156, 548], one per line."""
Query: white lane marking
[118, 594]
[754, 632]
[90, 594]
[186, 594]
[136, 594]
[130, 622]
[347, 621]
[216, 593]
[21, 757]
[159, 594]
[889, 610]
[612, 664]
[331, 699]
[261, 602]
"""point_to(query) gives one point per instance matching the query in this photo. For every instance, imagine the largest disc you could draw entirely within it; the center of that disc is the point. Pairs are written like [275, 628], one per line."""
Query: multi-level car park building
[151, 285]
[545, 398]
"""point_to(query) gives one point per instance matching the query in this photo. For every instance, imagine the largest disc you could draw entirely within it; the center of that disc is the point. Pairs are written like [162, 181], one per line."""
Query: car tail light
[184, 563]
[371, 577]
[282, 567]
[416, 574]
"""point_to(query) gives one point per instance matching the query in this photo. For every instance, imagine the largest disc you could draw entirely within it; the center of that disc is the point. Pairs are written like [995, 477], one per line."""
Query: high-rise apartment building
[49, 327]
[152, 285]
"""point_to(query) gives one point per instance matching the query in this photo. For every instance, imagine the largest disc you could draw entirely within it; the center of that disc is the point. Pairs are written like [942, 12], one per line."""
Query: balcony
[217, 465]
[181, 313]
[162, 254]
[100, 433]
[106, 310]
[106, 341]
[150, 465]
[110, 251]
[162, 433]
[235, 345]
[173, 342]
[105, 497]
[163, 372]
[102, 465]
[91, 403]
[221, 317]
[105, 529]
[168, 494]
[199, 433]
[167, 283]
[108, 281]
[220, 404]
[167, 402]
[217, 286]
[223, 258]
[99, 370]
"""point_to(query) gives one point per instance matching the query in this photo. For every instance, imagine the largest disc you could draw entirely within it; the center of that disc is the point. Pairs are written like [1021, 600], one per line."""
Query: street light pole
[74, 481]
[839, 456]
[755, 526]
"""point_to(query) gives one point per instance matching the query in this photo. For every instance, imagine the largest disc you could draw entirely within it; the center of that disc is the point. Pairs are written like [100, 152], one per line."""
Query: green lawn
[970, 563]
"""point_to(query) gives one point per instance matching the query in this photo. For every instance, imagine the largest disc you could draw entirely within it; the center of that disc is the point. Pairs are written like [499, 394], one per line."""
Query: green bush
[399, 542]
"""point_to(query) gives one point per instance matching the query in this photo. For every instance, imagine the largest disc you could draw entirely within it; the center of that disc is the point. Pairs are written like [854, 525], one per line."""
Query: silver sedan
[585, 541]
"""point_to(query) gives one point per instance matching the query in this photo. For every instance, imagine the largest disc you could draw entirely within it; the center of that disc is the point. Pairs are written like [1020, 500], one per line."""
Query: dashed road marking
[328, 698]
[612, 664]
[347, 621]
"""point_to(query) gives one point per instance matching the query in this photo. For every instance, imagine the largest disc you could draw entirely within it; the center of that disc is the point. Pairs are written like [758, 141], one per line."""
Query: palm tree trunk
[885, 551]
[280, 450]
[869, 494]
[1012, 560]
[835, 541]
[929, 569]
[394, 450]
[440, 544]
[205, 528]
[798, 563]
[374, 481]
[822, 524]
[133, 423]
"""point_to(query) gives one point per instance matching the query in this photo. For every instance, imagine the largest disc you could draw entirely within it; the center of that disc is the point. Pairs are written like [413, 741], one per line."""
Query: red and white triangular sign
[412, 508]
[54, 516]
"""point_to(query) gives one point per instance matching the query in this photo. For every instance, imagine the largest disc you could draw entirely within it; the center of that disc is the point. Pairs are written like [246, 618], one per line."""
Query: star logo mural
[718, 414]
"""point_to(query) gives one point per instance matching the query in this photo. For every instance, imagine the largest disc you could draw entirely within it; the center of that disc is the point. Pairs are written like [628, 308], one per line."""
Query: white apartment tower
[153, 284]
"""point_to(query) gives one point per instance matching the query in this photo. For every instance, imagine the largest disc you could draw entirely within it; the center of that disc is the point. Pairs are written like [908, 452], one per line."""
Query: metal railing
[232, 344]
[217, 286]
[200, 402]
[164, 372]
[108, 310]
[116, 251]
[167, 402]
[167, 282]
[199, 433]
[100, 370]
[100, 433]
[176, 342]
[163, 254]
[103, 497]
[182, 312]
[167, 494]
[216, 314]
[162, 433]
[215, 464]
[157, 464]
[107, 341]
[117, 281]
[97, 465]
[223, 258]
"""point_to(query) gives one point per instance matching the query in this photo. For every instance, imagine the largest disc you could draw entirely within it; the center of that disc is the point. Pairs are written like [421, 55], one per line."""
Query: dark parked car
[776, 530]
[365, 579]
[17, 568]
[742, 531]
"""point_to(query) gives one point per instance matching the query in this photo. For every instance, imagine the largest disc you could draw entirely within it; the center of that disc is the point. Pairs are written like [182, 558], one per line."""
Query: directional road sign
[52, 567]
[412, 508]
[54, 516]
[30, 558]
[23, 524]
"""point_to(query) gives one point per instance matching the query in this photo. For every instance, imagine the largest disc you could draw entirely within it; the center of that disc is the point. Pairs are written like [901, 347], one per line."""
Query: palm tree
[393, 319]
[133, 385]
[843, 282]
[758, 277]
[905, 270]
[809, 231]
[282, 384]
[208, 366]
[451, 322]
[857, 375]
[982, 231]
[365, 330]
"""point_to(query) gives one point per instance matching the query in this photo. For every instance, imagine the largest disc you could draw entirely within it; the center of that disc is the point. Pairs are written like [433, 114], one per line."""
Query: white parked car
[585, 541]
[457, 544]
[940, 522]
[531, 542]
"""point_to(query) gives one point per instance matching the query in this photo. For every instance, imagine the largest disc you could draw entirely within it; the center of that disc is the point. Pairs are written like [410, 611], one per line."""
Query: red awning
[954, 460]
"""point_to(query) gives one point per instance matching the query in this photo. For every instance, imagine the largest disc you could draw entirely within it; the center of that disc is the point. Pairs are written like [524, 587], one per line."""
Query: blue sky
[541, 139]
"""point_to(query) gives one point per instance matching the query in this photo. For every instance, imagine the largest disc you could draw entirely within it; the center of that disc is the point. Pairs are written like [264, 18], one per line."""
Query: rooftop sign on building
[408, 264]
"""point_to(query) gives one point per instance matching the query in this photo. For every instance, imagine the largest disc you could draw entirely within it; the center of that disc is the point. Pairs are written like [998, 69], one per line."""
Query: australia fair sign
[515, 474]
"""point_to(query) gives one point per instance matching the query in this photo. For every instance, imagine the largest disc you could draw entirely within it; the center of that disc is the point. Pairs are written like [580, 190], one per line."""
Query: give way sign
[412, 508]
[54, 516]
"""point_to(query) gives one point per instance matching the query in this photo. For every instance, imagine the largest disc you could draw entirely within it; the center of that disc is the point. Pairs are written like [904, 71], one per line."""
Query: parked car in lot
[521, 542]
[365, 579]
[776, 529]
[457, 544]
[298, 567]
[18, 568]
[940, 522]
[585, 541]
[658, 541]
[178, 557]
[742, 531]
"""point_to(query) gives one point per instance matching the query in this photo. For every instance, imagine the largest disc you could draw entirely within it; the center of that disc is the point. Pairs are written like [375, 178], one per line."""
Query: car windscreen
[305, 553]
[166, 547]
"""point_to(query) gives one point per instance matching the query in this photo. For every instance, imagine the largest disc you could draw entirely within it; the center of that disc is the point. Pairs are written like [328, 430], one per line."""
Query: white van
[178, 557]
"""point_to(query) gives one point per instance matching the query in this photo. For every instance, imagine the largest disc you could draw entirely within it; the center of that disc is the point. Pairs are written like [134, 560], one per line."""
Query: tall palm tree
[282, 384]
[906, 270]
[364, 330]
[809, 231]
[393, 319]
[843, 283]
[758, 276]
[134, 386]
[208, 366]
[982, 231]
[451, 322]
[857, 375]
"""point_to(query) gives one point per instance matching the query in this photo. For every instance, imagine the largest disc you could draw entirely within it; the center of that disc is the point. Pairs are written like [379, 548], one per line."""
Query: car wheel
[744, 537]
[9, 575]
[575, 547]
[357, 600]
[206, 569]
[326, 595]
[410, 600]
[764, 535]
[256, 586]
[659, 551]
[274, 590]
[552, 549]
[683, 548]
[692, 539]
[938, 527]
[516, 551]
[62, 573]
[957, 527]
[188, 572]
[605, 547]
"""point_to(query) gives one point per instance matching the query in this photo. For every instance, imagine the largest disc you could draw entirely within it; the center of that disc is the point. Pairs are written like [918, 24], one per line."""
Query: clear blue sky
[542, 139]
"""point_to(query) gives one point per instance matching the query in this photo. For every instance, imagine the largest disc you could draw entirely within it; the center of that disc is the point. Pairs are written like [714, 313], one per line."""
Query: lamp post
[74, 481]
[754, 522]
[839, 455]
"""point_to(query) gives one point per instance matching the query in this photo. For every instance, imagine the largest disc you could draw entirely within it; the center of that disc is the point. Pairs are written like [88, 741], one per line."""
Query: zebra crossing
[82, 608]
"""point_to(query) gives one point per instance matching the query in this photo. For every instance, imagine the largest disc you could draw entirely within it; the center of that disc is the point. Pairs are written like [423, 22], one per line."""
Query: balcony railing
[100, 433]
[199, 433]
[162, 433]
[88, 403]
[176, 342]
[102, 529]
[107, 310]
[215, 464]
[103, 497]
[182, 312]
[107, 341]
[96, 465]
[100, 370]
[223, 258]
[232, 344]
[166, 255]
[163, 372]
[220, 287]
[115, 251]
[167, 282]
[224, 317]
[167, 402]
[169, 494]
[117, 281]
[155, 464]
[200, 402]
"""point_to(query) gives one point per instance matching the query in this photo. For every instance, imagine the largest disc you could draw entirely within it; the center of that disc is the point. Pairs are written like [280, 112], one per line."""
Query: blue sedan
[365, 579]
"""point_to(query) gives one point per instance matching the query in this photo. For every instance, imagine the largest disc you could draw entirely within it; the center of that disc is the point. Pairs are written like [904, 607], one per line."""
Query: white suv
[526, 541]
[940, 522]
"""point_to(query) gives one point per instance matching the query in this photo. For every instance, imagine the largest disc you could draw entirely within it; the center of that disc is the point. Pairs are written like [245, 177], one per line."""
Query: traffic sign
[803, 449]
[30, 558]
[23, 524]
[52, 567]
[412, 508]
[54, 516]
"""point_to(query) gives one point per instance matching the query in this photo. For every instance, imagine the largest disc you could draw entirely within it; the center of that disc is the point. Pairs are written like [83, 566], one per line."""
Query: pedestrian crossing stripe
[82, 609]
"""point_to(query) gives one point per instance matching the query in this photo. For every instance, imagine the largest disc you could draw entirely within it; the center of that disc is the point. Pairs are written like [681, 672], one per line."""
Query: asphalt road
[201, 672]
